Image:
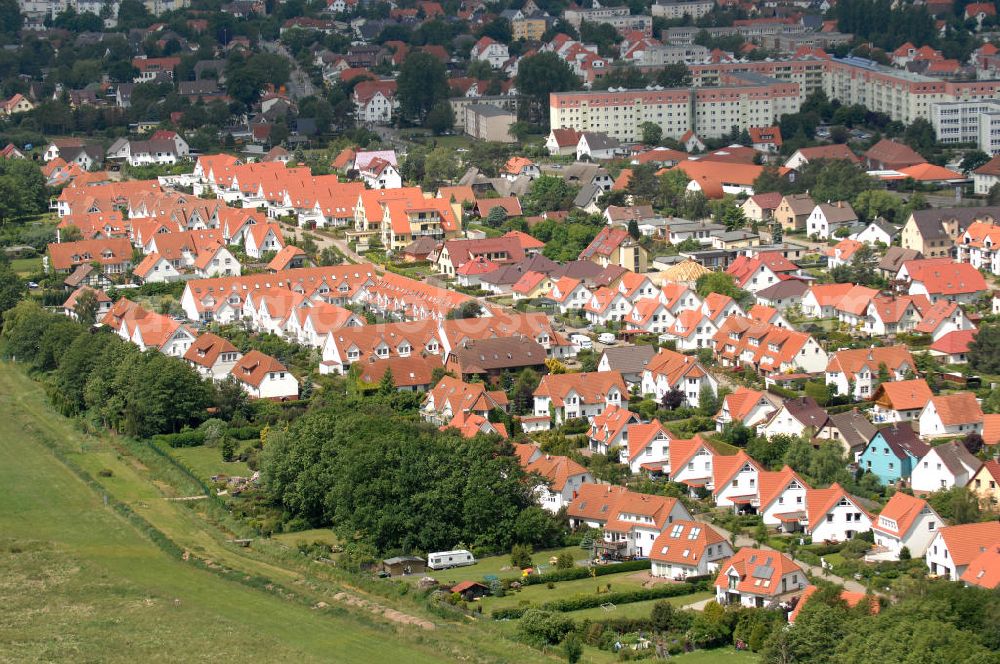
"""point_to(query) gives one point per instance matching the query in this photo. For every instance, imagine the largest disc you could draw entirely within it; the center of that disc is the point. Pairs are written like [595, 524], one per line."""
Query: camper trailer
[449, 559]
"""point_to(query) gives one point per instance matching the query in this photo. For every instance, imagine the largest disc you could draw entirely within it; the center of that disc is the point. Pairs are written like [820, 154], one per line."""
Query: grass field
[635, 609]
[79, 582]
[717, 656]
[207, 461]
[541, 593]
[26, 267]
[324, 535]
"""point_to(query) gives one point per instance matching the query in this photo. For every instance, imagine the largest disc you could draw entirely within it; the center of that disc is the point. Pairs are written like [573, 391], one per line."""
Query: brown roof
[892, 155]
[413, 371]
[254, 366]
[483, 355]
[206, 349]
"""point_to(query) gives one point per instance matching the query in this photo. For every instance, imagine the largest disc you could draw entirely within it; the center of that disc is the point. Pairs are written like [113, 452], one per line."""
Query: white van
[581, 341]
[606, 338]
[449, 559]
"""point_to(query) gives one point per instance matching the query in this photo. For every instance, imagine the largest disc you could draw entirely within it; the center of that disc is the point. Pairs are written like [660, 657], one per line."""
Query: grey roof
[854, 428]
[838, 213]
[678, 225]
[403, 559]
[895, 257]
[587, 194]
[800, 203]
[784, 289]
[205, 86]
[510, 274]
[956, 457]
[629, 359]
[885, 226]
[599, 141]
[487, 110]
[732, 236]
[152, 146]
[578, 270]
[763, 572]
[929, 221]
[807, 411]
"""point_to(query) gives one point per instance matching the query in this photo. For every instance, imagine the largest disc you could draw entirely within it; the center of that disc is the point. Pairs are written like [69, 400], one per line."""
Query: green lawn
[81, 583]
[27, 266]
[717, 656]
[636, 609]
[324, 535]
[541, 593]
[207, 461]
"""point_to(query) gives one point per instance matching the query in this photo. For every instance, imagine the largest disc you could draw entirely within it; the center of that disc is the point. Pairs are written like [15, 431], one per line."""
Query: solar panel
[763, 572]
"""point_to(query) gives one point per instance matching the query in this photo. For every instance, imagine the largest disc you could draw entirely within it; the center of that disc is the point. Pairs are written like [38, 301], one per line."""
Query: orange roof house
[758, 577]
[688, 548]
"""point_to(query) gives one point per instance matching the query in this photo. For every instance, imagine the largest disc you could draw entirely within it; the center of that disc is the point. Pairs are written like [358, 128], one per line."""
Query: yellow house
[986, 485]
[933, 232]
[529, 29]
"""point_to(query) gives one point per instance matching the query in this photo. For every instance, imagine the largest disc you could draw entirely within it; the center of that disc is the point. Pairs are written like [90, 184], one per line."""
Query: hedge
[593, 601]
[574, 573]
[192, 438]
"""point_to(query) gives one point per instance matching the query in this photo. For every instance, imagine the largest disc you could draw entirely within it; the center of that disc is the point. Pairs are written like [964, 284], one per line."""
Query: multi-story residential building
[968, 122]
[742, 99]
[680, 8]
[619, 18]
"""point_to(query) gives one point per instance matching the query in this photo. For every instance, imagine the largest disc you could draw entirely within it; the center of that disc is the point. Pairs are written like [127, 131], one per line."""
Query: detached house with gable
[892, 453]
[631, 521]
[648, 448]
[758, 578]
[948, 415]
[562, 476]
[688, 548]
[263, 377]
[856, 371]
[212, 356]
[569, 396]
[904, 521]
[610, 429]
[670, 370]
[944, 467]
[955, 547]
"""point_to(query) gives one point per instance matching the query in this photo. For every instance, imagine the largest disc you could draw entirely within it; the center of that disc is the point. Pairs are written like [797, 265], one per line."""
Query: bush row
[575, 573]
[593, 601]
[196, 437]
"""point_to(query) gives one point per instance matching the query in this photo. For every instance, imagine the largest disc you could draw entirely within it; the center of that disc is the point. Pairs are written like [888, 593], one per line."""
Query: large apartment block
[617, 17]
[968, 122]
[742, 100]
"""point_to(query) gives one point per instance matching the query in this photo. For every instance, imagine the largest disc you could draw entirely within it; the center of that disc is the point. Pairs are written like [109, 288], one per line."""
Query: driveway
[324, 240]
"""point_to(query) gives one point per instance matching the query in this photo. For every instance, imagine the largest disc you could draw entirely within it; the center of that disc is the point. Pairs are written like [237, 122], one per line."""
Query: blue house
[892, 454]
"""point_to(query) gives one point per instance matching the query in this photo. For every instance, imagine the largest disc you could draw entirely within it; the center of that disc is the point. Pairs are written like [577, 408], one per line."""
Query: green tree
[520, 556]
[652, 133]
[718, 282]
[440, 118]
[12, 288]
[572, 648]
[708, 403]
[643, 184]
[421, 84]
[878, 203]
[984, 351]
[440, 167]
[973, 160]
[86, 307]
[537, 77]
[496, 217]
[675, 75]
[387, 384]
[548, 193]
[228, 448]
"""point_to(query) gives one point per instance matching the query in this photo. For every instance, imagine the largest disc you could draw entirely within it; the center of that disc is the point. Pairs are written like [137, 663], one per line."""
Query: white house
[835, 515]
[562, 476]
[758, 578]
[212, 356]
[954, 547]
[648, 447]
[878, 231]
[669, 370]
[782, 499]
[735, 481]
[569, 396]
[856, 371]
[688, 548]
[381, 174]
[794, 418]
[610, 429]
[949, 415]
[826, 219]
[944, 467]
[904, 521]
[263, 377]
[491, 51]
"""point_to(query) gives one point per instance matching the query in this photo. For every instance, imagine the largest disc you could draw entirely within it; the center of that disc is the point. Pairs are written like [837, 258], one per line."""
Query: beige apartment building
[486, 122]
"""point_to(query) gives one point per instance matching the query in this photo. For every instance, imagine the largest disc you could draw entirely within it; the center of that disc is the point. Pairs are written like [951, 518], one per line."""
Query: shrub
[520, 555]
[543, 627]
[592, 601]
[583, 572]
[190, 438]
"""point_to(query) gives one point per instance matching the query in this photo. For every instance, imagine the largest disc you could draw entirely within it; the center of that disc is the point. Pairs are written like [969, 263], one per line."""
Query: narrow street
[324, 240]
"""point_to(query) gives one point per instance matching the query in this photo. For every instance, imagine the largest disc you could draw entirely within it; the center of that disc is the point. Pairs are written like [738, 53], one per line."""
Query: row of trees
[110, 380]
[380, 478]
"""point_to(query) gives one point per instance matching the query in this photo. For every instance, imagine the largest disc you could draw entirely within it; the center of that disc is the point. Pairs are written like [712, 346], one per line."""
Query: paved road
[323, 240]
[299, 84]
[815, 570]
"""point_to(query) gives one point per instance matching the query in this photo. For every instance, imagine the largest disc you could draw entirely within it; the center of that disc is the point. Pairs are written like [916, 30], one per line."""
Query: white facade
[843, 522]
[931, 425]
[932, 474]
[916, 538]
